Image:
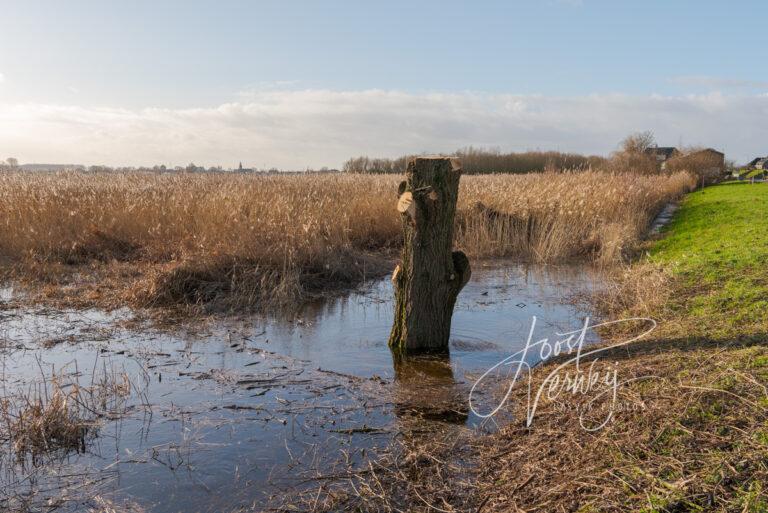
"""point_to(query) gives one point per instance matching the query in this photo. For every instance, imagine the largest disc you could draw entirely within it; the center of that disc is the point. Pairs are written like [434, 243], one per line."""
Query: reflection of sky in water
[194, 454]
[492, 319]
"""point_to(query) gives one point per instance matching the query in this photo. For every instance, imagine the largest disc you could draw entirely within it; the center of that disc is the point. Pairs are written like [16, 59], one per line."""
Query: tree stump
[430, 275]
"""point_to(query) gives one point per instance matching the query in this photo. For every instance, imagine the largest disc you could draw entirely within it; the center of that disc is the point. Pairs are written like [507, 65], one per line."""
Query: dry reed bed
[246, 240]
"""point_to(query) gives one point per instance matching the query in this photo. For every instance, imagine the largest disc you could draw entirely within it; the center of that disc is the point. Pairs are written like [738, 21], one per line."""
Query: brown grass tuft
[639, 290]
[60, 414]
[43, 425]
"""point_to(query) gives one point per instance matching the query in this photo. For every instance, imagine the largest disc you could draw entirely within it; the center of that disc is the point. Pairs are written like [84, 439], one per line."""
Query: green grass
[717, 248]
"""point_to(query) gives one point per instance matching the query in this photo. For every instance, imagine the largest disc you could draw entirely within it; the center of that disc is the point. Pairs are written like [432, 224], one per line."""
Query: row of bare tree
[634, 155]
[484, 161]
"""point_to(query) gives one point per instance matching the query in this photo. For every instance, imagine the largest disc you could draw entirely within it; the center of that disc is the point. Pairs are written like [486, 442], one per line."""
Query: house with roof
[755, 169]
[758, 163]
[662, 154]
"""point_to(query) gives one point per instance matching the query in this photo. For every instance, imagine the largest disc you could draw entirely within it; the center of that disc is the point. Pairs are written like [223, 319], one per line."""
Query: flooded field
[240, 412]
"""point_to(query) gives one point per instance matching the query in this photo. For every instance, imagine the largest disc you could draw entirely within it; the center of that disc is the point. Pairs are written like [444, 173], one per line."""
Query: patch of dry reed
[43, 424]
[549, 217]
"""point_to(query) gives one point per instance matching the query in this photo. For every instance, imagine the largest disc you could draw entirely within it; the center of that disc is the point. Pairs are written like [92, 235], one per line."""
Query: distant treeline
[481, 161]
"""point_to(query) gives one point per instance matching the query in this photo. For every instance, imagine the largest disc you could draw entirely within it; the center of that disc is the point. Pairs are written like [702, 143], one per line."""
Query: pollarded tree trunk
[430, 275]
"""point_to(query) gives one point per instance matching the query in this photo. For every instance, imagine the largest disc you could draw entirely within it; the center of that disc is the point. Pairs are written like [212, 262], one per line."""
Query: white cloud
[2, 78]
[296, 129]
[718, 82]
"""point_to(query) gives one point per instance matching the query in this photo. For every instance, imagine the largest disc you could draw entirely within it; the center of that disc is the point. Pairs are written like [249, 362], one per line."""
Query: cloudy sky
[298, 84]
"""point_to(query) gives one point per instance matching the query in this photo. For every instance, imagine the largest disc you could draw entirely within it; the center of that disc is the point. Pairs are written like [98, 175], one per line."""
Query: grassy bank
[691, 429]
[717, 250]
[232, 241]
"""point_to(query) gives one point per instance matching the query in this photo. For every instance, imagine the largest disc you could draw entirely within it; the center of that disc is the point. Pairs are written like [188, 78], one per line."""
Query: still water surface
[227, 416]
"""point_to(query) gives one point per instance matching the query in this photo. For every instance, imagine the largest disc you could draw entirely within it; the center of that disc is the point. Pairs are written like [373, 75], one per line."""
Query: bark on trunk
[430, 275]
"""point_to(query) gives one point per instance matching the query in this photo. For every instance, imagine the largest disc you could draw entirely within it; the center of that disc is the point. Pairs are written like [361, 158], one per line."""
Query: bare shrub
[639, 142]
[633, 155]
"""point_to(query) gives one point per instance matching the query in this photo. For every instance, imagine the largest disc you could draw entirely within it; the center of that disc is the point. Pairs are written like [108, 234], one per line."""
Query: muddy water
[244, 409]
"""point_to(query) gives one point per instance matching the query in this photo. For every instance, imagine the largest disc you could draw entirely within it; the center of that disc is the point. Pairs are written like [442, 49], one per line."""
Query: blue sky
[308, 83]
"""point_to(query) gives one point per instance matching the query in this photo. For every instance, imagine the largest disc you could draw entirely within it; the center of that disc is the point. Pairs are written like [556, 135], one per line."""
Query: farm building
[707, 164]
[714, 158]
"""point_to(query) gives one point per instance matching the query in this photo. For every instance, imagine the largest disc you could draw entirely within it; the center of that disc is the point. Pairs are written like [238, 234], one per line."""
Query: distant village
[757, 169]
[12, 163]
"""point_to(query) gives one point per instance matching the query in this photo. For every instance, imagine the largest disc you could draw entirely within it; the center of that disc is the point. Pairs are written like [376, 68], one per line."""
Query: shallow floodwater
[227, 416]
